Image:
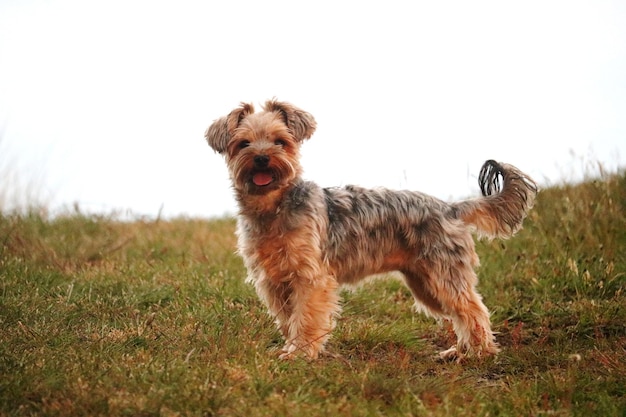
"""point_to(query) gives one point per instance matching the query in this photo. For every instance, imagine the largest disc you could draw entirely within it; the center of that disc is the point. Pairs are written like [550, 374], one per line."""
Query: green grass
[102, 317]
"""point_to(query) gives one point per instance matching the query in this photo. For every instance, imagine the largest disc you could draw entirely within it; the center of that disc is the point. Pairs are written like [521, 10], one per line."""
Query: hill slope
[100, 317]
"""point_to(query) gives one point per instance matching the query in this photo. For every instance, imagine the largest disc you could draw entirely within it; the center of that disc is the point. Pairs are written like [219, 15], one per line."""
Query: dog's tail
[508, 195]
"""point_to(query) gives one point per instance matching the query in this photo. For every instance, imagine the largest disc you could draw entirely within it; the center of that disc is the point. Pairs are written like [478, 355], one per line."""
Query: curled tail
[508, 195]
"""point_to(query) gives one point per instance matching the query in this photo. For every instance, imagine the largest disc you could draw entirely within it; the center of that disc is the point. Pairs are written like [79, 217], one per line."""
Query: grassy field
[153, 318]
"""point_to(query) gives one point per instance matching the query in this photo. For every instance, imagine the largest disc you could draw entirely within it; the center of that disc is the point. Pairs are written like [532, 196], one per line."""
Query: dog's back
[373, 231]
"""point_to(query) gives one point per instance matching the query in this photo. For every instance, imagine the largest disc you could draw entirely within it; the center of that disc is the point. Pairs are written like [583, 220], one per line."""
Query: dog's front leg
[314, 308]
[277, 298]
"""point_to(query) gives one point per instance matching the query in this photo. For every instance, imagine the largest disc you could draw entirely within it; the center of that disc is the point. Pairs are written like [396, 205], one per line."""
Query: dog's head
[262, 149]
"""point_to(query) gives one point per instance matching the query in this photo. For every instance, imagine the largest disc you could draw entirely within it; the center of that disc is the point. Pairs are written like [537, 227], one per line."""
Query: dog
[300, 242]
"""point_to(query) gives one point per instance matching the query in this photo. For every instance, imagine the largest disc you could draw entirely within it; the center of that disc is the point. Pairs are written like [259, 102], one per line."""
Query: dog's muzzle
[262, 176]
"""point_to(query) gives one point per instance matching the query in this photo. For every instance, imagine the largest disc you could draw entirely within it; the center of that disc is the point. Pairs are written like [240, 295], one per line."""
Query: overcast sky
[105, 104]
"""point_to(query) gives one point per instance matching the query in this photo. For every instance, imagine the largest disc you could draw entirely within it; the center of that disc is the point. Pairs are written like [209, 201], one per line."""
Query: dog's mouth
[262, 178]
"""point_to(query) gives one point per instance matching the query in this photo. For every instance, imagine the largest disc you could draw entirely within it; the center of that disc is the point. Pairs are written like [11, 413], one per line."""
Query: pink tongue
[262, 178]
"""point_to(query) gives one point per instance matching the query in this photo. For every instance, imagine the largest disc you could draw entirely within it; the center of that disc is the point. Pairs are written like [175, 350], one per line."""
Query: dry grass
[101, 317]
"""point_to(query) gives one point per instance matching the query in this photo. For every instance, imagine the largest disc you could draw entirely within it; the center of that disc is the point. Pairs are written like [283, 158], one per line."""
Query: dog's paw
[292, 351]
[451, 354]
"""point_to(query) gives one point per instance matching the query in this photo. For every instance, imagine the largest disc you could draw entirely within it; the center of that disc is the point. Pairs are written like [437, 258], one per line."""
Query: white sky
[105, 103]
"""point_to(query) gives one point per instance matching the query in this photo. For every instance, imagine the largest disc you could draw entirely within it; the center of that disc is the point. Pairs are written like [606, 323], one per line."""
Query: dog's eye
[244, 144]
[280, 142]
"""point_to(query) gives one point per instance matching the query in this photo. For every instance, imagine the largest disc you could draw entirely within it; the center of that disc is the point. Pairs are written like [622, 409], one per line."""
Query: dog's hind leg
[453, 296]
[470, 320]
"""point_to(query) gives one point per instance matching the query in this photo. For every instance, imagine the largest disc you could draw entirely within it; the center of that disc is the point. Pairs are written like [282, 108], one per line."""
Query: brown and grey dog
[300, 241]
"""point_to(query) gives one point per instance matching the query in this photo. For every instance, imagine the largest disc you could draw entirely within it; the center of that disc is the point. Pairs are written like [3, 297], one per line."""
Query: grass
[153, 318]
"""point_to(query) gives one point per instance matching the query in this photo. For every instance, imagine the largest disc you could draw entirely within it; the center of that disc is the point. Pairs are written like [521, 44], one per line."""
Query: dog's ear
[219, 133]
[300, 123]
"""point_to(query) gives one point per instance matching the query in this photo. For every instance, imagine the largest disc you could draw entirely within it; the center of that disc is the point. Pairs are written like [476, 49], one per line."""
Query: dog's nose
[261, 161]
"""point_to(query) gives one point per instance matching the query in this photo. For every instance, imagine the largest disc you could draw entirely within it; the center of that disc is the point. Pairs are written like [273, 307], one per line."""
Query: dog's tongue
[261, 178]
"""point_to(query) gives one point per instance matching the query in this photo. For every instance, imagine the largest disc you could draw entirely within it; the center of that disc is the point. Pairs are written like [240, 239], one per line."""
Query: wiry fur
[300, 242]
